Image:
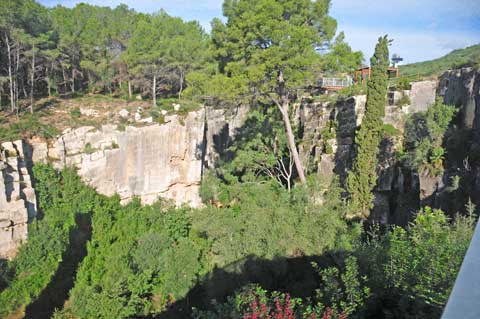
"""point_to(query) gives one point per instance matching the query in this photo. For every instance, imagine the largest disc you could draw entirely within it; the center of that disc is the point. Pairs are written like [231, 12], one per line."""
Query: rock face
[462, 89]
[17, 198]
[334, 156]
[422, 95]
[149, 162]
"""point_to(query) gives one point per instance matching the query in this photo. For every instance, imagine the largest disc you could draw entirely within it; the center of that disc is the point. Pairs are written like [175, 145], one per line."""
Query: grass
[186, 106]
[97, 98]
[390, 131]
[26, 126]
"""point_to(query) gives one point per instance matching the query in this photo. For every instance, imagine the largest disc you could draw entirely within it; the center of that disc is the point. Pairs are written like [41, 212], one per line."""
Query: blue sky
[421, 29]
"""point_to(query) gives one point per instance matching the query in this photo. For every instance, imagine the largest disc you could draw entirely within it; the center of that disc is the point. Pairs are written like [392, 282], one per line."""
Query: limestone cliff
[462, 89]
[148, 162]
[336, 158]
[17, 198]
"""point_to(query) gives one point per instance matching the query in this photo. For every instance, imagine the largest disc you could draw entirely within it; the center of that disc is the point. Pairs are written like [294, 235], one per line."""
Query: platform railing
[464, 301]
[334, 82]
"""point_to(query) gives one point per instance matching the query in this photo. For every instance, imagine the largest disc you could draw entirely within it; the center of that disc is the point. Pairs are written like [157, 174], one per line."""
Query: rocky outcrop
[422, 94]
[17, 197]
[150, 162]
[334, 155]
[462, 89]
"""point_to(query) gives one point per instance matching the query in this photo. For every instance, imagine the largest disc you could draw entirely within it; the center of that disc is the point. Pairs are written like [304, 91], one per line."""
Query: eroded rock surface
[17, 198]
[148, 162]
[396, 188]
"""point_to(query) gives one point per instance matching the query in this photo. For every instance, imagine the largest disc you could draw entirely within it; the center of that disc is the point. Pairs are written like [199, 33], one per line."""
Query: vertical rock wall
[150, 162]
[462, 88]
[337, 158]
[17, 198]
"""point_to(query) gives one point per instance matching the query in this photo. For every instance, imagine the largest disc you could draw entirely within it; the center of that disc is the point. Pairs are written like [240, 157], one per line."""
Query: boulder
[124, 113]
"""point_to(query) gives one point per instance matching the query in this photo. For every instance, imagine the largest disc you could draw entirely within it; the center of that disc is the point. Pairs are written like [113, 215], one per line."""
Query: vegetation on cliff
[424, 138]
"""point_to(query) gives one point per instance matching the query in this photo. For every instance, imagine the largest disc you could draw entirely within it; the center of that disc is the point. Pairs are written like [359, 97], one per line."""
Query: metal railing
[464, 301]
[334, 82]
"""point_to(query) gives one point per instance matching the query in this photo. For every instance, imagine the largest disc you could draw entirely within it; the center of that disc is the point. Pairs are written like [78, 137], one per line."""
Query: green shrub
[424, 136]
[340, 294]
[62, 197]
[356, 89]
[27, 126]
[423, 261]
[75, 113]
[88, 149]
[404, 101]
[328, 149]
[390, 131]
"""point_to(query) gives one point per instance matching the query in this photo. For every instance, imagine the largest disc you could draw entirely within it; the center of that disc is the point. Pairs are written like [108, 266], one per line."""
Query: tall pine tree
[270, 47]
[362, 178]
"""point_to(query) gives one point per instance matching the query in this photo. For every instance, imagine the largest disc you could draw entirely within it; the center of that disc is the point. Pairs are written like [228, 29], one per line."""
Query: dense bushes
[140, 259]
[340, 294]
[404, 273]
[266, 221]
[423, 261]
[61, 197]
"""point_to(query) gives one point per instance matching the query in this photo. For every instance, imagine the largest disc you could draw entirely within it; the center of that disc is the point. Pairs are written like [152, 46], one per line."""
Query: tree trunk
[64, 81]
[73, 81]
[154, 90]
[49, 85]
[10, 75]
[284, 105]
[181, 85]
[129, 89]
[32, 79]
[291, 143]
[17, 67]
[24, 89]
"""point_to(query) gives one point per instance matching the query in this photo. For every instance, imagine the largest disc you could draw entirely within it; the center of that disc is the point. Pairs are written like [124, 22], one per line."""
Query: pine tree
[363, 177]
[269, 46]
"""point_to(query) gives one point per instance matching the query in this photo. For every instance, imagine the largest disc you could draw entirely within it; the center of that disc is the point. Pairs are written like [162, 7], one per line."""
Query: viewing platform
[334, 84]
